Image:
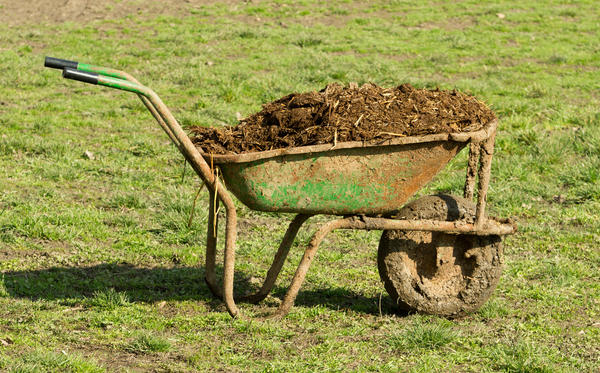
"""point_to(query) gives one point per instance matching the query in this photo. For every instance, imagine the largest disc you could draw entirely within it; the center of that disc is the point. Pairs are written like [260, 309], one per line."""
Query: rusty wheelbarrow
[439, 254]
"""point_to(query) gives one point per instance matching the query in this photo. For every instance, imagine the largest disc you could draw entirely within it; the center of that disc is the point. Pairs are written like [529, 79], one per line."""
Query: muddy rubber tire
[435, 272]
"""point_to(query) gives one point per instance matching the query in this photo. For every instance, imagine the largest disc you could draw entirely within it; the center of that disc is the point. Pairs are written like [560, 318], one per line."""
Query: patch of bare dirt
[54, 252]
[450, 24]
[353, 113]
[59, 11]
[7, 254]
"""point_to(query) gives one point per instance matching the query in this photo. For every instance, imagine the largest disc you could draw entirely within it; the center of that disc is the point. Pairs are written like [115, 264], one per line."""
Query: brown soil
[59, 11]
[339, 114]
[51, 12]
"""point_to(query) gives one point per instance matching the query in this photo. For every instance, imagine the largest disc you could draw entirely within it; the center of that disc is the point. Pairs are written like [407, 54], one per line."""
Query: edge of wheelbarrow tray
[344, 178]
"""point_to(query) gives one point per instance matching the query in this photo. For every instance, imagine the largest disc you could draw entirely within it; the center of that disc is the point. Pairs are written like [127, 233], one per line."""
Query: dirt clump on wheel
[352, 113]
[436, 272]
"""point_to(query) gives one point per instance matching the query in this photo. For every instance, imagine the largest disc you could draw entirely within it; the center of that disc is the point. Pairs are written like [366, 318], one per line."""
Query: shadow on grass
[164, 283]
[140, 284]
[343, 299]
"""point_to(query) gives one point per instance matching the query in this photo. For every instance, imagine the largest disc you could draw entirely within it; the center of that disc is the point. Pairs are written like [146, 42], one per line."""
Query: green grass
[144, 344]
[97, 258]
[109, 299]
[520, 358]
[37, 361]
[425, 336]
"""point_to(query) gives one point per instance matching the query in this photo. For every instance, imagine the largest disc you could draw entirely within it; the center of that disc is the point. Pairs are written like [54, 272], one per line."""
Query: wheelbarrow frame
[481, 148]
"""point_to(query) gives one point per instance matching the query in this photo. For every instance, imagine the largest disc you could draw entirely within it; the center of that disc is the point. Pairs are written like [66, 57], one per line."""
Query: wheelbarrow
[439, 254]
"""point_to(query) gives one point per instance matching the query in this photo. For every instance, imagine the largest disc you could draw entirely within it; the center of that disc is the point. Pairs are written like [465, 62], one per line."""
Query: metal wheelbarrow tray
[439, 254]
[348, 178]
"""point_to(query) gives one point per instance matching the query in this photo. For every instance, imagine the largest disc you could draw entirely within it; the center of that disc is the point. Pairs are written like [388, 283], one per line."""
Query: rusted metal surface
[489, 226]
[485, 168]
[210, 276]
[205, 172]
[168, 122]
[278, 260]
[309, 255]
[350, 178]
[365, 180]
[472, 163]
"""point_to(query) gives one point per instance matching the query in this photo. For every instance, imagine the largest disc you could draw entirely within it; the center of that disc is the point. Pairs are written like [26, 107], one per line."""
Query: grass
[109, 299]
[96, 255]
[145, 343]
[522, 358]
[38, 361]
[423, 336]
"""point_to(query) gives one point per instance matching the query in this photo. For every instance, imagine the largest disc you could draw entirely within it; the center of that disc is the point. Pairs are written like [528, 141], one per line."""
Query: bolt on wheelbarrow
[439, 254]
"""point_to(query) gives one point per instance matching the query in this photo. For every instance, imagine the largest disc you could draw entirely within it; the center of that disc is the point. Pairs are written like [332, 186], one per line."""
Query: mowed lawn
[101, 271]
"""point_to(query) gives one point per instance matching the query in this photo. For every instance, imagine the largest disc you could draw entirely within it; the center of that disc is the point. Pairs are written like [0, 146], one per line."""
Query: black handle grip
[81, 76]
[57, 63]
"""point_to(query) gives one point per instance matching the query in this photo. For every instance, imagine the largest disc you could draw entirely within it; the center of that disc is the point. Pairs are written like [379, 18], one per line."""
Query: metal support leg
[229, 261]
[274, 270]
[211, 245]
[368, 223]
[309, 254]
[474, 151]
[485, 168]
[280, 256]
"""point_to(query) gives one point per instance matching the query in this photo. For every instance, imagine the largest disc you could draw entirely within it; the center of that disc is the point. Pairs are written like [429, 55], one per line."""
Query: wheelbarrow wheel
[436, 272]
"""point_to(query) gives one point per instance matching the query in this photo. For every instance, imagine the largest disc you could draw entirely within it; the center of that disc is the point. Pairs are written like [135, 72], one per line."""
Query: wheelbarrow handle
[81, 76]
[123, 81]
[58, 63]
[164, 116]
[107, 71]
[107, 81]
